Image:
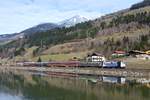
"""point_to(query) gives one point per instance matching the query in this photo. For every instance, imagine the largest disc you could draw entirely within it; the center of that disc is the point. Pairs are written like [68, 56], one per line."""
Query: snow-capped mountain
[72, 21]
[48, 26]
[44, 27]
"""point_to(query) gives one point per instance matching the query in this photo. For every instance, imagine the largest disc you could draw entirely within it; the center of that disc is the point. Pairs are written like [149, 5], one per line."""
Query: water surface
[37, 87]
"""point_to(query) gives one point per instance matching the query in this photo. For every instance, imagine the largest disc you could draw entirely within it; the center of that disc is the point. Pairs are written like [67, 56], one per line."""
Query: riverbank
[85, 71]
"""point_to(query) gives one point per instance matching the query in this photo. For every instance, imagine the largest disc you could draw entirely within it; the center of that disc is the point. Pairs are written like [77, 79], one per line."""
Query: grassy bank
[137, 63]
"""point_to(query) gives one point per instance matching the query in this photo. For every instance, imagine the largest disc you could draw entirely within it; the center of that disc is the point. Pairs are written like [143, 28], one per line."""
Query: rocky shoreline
[86, 71]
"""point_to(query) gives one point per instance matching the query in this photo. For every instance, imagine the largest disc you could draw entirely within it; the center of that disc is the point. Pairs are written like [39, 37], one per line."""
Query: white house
[96, 57]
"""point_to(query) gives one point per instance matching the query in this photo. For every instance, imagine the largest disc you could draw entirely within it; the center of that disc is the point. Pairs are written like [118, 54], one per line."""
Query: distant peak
[79, 16]
[73, 21]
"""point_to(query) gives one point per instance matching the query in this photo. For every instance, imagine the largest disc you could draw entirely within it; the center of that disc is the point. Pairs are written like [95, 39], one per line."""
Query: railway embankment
[86, 71]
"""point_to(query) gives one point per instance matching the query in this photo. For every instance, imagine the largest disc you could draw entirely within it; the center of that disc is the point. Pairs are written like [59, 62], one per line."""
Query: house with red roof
[119, 53]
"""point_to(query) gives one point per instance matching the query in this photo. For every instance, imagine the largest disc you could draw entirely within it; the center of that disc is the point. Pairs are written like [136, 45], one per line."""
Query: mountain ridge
[44, 27]
[72, 21]
[140, 4]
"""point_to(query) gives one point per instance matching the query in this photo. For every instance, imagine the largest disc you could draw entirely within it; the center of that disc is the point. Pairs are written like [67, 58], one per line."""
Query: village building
[95, 57]
[148, 52]
[119, 54]
[140, 54]
[134, 53]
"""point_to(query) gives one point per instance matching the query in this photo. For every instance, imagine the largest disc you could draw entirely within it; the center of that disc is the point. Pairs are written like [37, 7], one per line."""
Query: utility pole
[21, 45]
[41, 44]
[14, 56]
[41, 49]
[87, 36]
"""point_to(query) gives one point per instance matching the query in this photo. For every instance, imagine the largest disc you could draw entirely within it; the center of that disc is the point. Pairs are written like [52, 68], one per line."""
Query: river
[40, 86]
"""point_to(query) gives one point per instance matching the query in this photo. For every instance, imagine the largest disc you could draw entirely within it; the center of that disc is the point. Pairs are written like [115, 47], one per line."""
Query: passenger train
[102, 64]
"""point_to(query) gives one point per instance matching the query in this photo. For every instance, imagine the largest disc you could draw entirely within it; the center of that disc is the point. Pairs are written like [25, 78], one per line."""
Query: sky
[17, 15]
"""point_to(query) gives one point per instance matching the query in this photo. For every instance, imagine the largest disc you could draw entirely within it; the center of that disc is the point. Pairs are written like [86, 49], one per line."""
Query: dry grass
[28, 55]
[29, 52]
[147, 9]
[67, 48]
[61, 57]
[132, 34]
[137, 63]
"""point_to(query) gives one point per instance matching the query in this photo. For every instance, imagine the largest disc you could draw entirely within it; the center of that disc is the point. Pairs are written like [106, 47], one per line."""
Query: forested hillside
[90, 29]
[125, 31]
[141, 4]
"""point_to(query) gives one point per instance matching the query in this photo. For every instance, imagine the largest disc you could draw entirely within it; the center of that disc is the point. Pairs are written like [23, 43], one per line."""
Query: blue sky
[17, 15]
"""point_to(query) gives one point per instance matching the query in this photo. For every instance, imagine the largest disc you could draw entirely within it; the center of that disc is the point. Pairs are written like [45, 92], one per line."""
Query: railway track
[87, 71]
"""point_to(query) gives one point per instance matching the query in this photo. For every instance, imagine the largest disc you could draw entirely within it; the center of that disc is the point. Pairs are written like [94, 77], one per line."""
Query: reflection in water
[35, 87]
[4, 96]
[110, 79]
